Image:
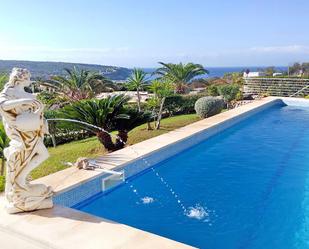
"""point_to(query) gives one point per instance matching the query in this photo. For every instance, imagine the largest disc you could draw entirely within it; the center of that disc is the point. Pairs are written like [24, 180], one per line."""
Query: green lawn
[91, 147]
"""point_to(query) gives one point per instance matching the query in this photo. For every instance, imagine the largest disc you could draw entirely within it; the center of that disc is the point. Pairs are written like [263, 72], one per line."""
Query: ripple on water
[147, 200]
[197, 212]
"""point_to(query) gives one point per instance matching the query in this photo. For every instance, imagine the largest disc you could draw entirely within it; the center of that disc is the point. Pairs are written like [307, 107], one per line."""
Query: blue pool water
[246, 187]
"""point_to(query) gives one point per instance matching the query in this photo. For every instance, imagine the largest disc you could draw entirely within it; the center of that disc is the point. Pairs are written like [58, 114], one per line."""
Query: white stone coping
[62, 227]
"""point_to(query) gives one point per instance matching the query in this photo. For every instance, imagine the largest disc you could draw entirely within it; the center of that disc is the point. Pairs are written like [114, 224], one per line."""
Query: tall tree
[137, 81]
[80, 84]
[180, 74]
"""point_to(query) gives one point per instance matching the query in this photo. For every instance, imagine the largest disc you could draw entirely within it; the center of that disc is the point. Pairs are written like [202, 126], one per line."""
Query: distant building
[277, 74]
[254, 74]
[132, 94]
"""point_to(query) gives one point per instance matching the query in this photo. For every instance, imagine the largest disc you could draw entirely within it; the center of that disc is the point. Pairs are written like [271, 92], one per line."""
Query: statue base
[45, 204]
[37, 196]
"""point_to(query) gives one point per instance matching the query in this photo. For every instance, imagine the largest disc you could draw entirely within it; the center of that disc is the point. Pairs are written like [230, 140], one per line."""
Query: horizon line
[131, 67]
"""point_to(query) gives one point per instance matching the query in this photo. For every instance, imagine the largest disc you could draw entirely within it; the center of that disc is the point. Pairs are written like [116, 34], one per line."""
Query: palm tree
[4, 142]
[180, 74]
[99, 112]
[137, 81]
[80, 84]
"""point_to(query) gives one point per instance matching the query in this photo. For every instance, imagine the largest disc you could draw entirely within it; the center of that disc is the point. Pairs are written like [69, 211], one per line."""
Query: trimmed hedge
[208, 106]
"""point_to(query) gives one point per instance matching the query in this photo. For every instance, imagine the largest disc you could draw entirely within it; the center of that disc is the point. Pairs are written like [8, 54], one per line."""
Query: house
[254, 74]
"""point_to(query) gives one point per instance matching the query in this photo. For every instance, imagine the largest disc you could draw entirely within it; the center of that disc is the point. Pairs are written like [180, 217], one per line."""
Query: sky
[139, 33]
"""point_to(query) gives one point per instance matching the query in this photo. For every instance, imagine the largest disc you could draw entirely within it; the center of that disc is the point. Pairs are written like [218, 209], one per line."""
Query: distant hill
[47, 69]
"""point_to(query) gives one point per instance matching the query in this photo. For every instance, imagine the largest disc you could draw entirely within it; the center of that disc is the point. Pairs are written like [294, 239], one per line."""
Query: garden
[83, 125]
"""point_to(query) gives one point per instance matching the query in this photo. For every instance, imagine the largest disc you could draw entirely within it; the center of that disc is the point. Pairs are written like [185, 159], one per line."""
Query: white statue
[22, 116]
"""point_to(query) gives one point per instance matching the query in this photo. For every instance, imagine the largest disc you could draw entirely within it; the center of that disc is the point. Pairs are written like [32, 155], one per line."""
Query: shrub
[239, 96]
[50, 99]
[189, 102]
[229, 92]
[208, 106]
[181, 104]
[173, 104]
[212, 90]
[63, 131]
[67, 136]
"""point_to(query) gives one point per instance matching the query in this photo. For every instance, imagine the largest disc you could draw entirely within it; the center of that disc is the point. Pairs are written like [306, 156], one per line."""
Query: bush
[64, 131]
[173, 104]
[67, 136]
[212, 90]
[189, 102]
[181, 104]
[50, 99]
[208, 106]
[239, 96]
[229, 92]
[2, 183]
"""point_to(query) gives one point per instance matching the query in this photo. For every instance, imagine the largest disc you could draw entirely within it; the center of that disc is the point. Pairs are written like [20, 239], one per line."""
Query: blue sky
[143, 32]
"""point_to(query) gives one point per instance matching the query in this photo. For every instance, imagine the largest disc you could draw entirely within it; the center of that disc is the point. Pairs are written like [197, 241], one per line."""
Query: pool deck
[62, 227]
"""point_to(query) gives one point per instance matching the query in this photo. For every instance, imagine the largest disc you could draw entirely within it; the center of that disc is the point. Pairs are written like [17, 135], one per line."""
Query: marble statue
[22, 116]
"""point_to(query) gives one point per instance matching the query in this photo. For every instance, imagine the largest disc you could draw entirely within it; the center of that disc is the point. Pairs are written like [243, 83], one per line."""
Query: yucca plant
[180, 74]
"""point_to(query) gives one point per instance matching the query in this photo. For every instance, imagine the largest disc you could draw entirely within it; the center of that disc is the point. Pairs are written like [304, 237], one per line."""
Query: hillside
[47, 69]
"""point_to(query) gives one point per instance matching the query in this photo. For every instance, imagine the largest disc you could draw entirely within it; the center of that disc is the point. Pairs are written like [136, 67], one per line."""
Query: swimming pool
[245, 187]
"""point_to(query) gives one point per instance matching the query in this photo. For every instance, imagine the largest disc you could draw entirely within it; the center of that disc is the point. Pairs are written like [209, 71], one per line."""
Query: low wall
[283, 87]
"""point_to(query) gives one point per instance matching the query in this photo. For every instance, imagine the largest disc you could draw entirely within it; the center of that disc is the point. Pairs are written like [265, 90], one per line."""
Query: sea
[220, 71]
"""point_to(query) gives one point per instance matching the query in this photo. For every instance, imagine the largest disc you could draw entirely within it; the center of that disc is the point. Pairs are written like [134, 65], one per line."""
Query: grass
[69, 152]
[141, 133]
[91, 147]
[2, 182]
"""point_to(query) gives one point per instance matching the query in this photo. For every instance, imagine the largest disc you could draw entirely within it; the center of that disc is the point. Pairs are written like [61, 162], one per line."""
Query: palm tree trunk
[2, 166]
[138, 100]
[106, 140]
[160, 114]
[121, 140]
